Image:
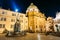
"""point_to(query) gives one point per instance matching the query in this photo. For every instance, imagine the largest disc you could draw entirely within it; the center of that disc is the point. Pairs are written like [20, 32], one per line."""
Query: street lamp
[16, 10]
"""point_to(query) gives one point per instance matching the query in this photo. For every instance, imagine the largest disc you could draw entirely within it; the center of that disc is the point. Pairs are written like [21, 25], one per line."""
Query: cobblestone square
[31, 36]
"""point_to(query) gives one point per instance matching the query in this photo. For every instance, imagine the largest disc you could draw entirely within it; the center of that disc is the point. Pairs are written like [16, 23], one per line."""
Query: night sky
[48, 7]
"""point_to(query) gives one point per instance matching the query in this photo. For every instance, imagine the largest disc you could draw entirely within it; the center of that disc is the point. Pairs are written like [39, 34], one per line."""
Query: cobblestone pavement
[31, 36]
[49, 37]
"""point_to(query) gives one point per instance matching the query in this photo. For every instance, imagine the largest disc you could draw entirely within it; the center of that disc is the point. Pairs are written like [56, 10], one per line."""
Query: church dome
[32, 7]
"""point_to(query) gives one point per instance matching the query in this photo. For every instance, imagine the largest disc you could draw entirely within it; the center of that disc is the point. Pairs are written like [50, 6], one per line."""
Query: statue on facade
[16, 29]
[17, 26]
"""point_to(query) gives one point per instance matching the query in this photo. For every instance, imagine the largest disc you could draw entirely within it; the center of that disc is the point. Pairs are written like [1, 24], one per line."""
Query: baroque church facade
[36, 19]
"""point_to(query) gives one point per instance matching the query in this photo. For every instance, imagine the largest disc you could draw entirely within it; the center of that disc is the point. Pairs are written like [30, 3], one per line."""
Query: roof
[32, 6]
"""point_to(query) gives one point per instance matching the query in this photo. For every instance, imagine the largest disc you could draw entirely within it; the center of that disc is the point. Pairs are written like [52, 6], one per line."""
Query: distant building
[50, 24]
[57, 22]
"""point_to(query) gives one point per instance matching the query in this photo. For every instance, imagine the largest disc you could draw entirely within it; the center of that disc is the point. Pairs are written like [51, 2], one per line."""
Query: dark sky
[48, 7]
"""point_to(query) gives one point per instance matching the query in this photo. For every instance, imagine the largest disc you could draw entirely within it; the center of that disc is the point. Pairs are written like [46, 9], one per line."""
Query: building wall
[50, 24]
[8, 20]
[23, 22]
[26, 23]
[57, 22]
[36, 19]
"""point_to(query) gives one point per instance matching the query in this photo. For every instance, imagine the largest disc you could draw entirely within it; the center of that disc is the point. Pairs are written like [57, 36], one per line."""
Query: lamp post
[16, 10]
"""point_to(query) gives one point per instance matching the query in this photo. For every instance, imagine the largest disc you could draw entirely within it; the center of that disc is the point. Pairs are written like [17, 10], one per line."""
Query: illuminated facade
[57, 22]
[36, 19]
[33, 20]
[8, 19]
[49, 24]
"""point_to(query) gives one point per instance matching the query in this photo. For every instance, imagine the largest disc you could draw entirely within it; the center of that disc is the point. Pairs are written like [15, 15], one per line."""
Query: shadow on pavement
[55, 34]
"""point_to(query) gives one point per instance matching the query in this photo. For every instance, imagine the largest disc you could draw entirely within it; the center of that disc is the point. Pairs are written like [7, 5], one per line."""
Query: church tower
[33, 15]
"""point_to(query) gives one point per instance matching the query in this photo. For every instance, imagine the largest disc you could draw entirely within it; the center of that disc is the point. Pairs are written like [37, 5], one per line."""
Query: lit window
[21, 15]
[21, 20]
[12, 26]
[3, 25]
[36, 26]
[0, 25]
[3, 19]
[12, 20]
[13, 14]
[3, 12]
